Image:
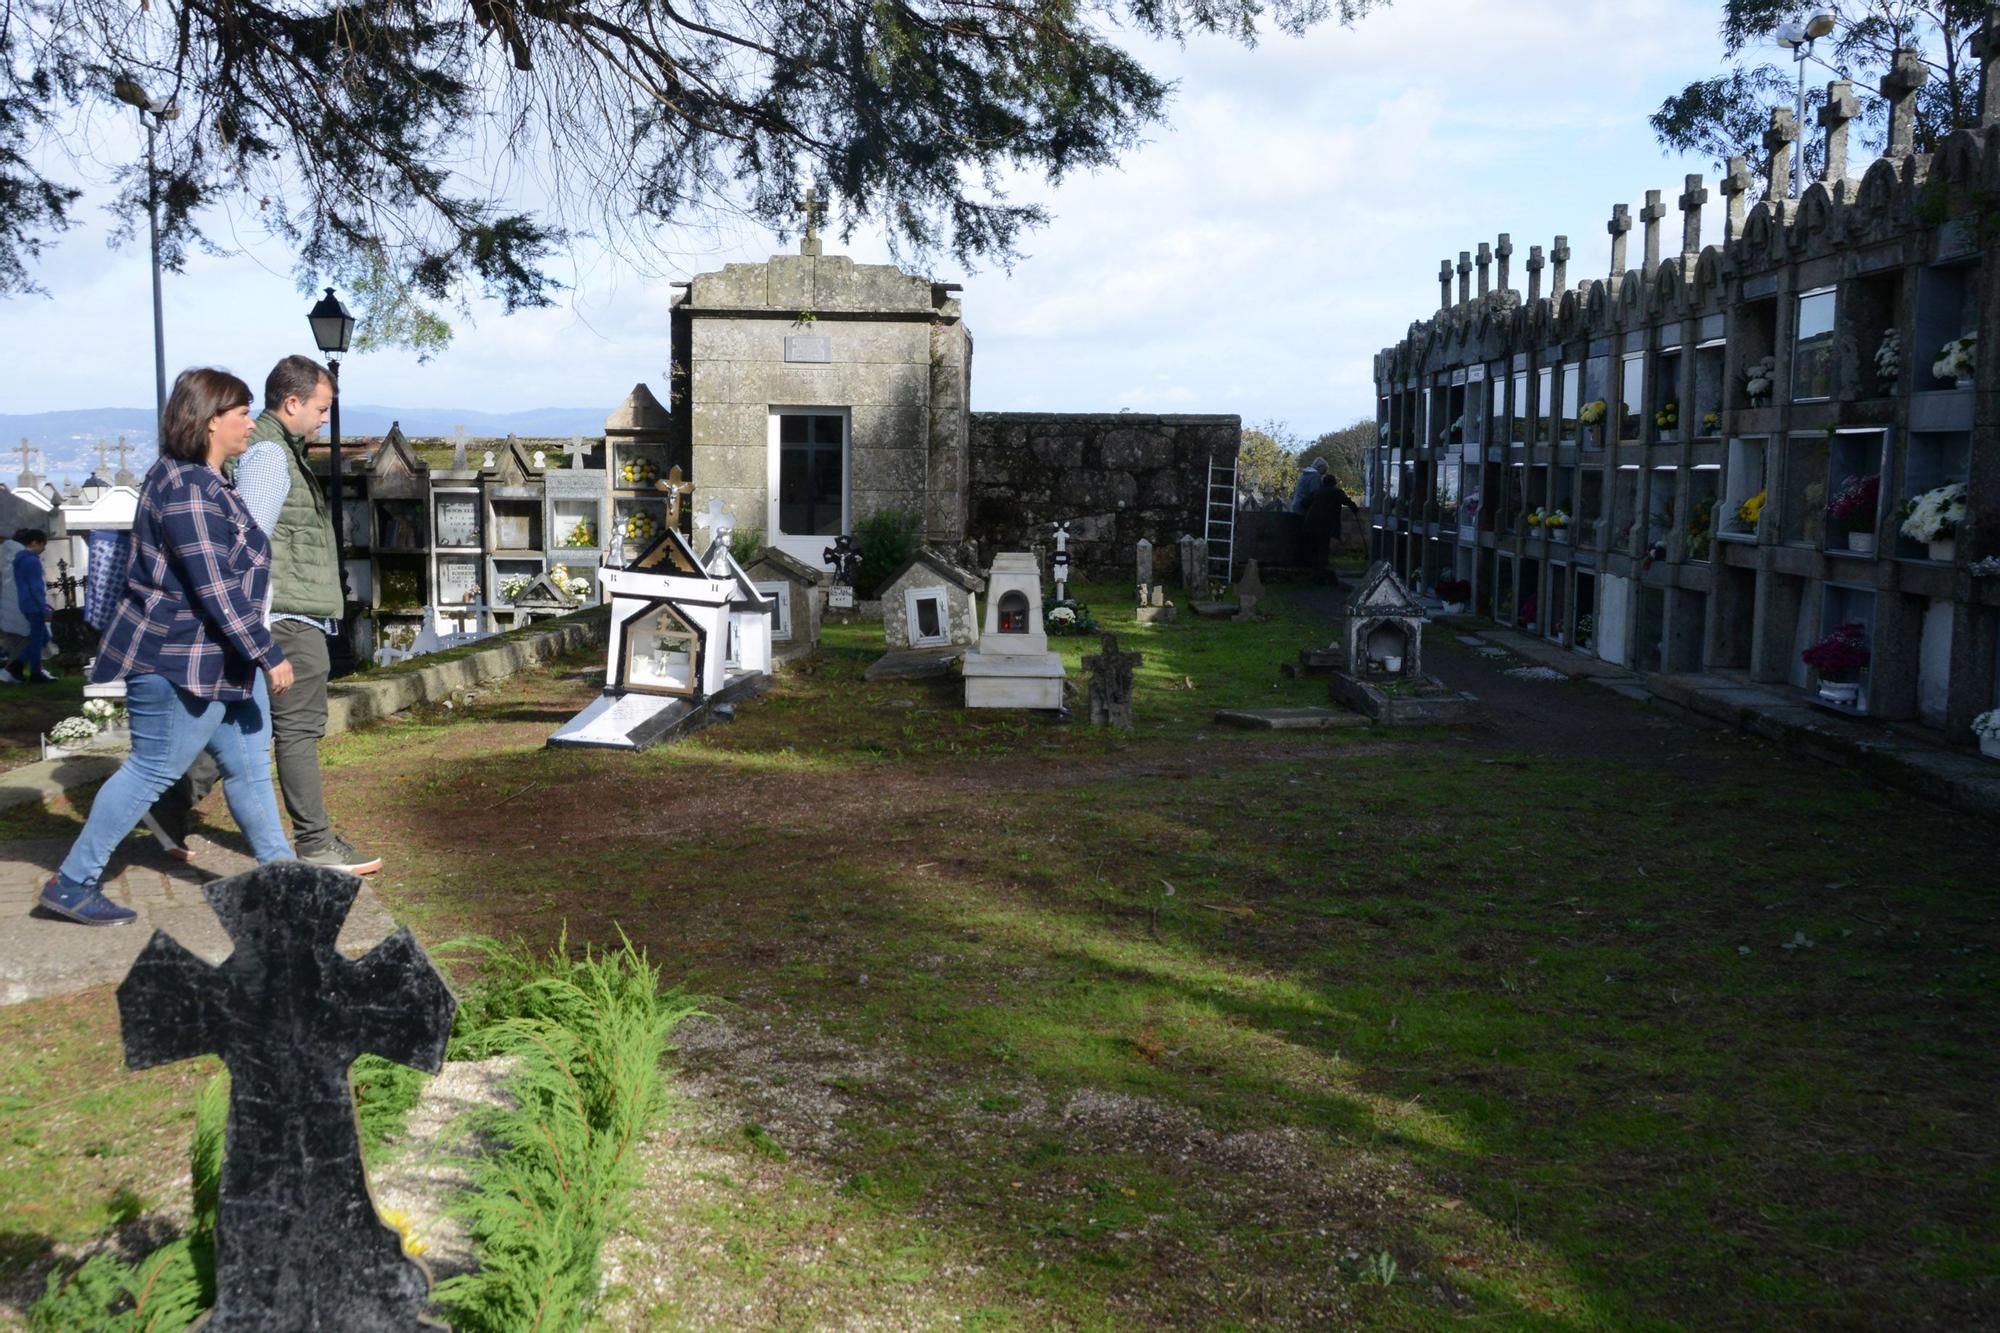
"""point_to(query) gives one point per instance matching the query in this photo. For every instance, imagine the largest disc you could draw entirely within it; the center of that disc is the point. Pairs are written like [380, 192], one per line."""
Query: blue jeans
[30, 660]
[169, 728]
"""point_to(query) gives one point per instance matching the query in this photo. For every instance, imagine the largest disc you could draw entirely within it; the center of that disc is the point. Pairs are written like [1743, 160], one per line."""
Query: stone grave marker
[298, 1242]
[1111, 683]
[458, 449]
[1059, 565]
[1249, 591]
[1144, 553]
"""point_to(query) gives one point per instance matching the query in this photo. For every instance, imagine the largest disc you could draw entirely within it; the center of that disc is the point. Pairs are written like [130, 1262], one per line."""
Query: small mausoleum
[1382, 628]
[796, 591]
[1012, 667]
[932, 602]
[748, 647]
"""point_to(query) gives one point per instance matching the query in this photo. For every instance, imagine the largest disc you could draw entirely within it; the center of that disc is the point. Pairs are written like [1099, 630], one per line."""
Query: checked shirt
[193, 605]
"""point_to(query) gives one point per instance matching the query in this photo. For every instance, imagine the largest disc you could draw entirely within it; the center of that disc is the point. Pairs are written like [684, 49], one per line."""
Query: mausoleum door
[810, 480]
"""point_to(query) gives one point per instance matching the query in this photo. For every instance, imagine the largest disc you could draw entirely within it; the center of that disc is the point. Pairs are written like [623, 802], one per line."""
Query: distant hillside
[67, 441]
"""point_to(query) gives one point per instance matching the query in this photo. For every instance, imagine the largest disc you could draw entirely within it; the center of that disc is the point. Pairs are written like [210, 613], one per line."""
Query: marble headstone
[298, 1242]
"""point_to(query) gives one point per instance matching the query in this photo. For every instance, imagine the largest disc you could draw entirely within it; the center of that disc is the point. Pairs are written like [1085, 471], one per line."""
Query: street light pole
[1799, 38]
[152, 115]
[332, 327]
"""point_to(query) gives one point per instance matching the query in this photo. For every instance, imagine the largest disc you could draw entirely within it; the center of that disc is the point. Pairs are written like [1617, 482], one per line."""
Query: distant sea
[66, 442]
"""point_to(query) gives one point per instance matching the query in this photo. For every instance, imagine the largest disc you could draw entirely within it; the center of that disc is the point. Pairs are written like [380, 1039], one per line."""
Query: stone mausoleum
[1706, 462]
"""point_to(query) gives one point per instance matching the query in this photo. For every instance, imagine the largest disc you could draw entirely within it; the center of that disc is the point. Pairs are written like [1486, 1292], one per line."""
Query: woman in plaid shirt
[188, 638]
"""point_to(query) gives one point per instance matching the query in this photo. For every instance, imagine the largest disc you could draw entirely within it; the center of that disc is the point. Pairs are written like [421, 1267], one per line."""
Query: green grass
[1190, 1028]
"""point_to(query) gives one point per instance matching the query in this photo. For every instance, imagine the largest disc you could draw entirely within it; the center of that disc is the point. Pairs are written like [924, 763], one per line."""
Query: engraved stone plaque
[808, 348]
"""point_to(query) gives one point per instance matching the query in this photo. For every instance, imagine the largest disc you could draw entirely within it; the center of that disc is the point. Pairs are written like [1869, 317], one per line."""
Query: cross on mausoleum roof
[1444, 285]
[1504, 252]
[1734, 185]
[1464, 276]
[1651, 214]
[1691, 200]
[1778, 141]
[1535, 266]
[1841, 107]
[1559, 267]
[298, 1243]
[27, 452]
[1619, 226]
[1907, 73]
[577, 451]
[458, 448]
[811, 206]
[1485, 263]
[1986, 47]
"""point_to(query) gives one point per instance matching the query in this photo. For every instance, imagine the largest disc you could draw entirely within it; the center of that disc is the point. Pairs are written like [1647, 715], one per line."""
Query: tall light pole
[152, 115]
[332, 327]
[1799, 38]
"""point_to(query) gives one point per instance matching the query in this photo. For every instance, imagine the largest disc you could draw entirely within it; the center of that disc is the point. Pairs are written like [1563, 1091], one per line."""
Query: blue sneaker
[83, 903]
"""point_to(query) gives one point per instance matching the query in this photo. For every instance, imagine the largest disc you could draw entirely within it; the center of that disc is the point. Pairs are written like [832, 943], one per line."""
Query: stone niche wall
[1113, 476]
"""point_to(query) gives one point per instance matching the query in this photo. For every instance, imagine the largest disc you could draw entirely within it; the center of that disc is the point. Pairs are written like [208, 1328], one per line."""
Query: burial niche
[662, 653]
[1014, 612]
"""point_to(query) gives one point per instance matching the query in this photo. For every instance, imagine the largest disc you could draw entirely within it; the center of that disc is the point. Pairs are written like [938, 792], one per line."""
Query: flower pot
[1841, 693]
[1861, 543]
[1392, 664]
[1990, 746]
[1945, 551]
[1558, 533]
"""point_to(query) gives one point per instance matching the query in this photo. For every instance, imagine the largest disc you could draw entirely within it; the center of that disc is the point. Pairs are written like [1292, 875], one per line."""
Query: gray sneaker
[340, 855]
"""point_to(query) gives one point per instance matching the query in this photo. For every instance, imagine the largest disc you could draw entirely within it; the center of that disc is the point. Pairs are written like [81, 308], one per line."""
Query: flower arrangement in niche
[1759, 380]
[73, 731]
[582, 535]
[513, 587]
[1556, 519]
[1842, 655]
[1711, 422]
[1852, 507]
[1752, 509]
[640, 526]
[1956, 360]
[1593, 412]
[1987, 726]
[1935, 515]
[1537, 516]
[1669, 416]
[1889, 359]
[1586, 630]
[638, 472]
[1700, 524]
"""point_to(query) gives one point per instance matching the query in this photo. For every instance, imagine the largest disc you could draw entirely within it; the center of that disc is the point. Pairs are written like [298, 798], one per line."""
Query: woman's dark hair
[199, 397]
[29, 536]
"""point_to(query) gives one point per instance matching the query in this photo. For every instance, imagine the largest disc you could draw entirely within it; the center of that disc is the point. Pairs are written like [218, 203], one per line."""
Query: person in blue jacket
[31, 599]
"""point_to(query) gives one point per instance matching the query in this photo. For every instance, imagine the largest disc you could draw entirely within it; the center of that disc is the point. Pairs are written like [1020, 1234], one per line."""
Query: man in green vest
[290, 504]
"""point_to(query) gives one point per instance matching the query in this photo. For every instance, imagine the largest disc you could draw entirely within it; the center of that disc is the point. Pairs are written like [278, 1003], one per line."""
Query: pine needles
[587, 1035]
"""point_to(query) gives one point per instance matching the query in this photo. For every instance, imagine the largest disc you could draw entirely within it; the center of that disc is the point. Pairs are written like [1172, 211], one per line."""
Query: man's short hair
[294, 377]
[30, 536]
[1321, 465]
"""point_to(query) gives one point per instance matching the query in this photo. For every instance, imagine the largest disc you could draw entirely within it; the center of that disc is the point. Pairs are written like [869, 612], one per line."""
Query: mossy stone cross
[298, 1242]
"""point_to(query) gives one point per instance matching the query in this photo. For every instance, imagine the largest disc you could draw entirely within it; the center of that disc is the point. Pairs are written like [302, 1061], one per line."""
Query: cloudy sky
[1281, 228]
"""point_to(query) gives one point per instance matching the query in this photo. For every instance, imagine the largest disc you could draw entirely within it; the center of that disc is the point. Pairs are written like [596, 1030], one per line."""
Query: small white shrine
[797, 593]
[667, 666]
[748, 648]
[1012, 667]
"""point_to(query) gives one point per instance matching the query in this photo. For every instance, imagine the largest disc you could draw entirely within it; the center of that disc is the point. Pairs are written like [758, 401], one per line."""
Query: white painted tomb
[1012, 667]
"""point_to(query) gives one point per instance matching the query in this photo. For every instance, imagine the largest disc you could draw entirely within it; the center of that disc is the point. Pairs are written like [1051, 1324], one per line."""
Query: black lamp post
[152, 114]
[332, 328]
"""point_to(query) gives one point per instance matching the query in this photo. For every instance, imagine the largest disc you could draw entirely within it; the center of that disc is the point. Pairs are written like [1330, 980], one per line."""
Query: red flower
[1841, 655]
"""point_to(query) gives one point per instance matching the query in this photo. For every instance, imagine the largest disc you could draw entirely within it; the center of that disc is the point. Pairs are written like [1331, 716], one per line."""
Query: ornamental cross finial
[1651, 214]
[577, 450]
[1906, 75]
[1503, 252]
[1735, 185]
[1691, 200]
[27, 452]
[1840, 108]
[812, 208]
[1986, 46]
[1778, 141]
[1535, 266]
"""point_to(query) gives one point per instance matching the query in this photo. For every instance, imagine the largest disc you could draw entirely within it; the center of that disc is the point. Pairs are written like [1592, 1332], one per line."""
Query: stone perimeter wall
[1113, 476]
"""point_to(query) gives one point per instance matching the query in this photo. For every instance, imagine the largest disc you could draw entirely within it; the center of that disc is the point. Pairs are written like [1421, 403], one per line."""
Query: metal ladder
[1221, 523]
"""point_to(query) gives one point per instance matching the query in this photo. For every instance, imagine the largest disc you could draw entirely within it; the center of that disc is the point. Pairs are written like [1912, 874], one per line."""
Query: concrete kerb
[353, 702]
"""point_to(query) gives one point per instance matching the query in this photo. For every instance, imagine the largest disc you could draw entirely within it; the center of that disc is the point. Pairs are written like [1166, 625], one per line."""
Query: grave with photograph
[1012, 666]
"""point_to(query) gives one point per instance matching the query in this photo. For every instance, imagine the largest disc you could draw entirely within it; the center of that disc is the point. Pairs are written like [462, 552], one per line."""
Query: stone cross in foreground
[577, 451]
[298, 1243]
[1111, 684]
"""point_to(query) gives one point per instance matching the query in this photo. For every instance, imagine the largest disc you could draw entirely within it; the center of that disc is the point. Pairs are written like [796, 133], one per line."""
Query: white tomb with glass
[751, 613]
[1012, 667]
[666, 661]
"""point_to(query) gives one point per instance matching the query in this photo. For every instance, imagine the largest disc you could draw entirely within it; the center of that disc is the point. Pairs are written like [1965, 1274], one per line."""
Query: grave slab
[1288, 719]
[916, 663]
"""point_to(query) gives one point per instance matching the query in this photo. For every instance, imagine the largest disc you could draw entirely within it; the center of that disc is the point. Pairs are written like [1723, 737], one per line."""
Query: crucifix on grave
[845, 562]
[577, 451]
[1907, 73]
[1111, 683]
[1059, 563]
[1691, 200]
[298, 1243]
[458, 449]
[676, 489]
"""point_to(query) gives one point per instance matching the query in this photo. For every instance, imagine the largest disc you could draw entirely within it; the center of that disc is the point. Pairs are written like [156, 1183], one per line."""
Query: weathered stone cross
[1535, 265]
[1559, 268]
[1485, 264]
[675, 488]
[720, 522]
[458, 448]
[1840, 108]
[1651, 214]
[1464, 276]
[123, 449]
[103, 455]
[298, 1243]
[1619, 226]
[1691, 200]
[1444, 286]
[1504, 252]
[1899, 86]
[1778, 141]
[1986, 46]
[1111, 683]
[577, 451]
[812, 207]
[1734, 186]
